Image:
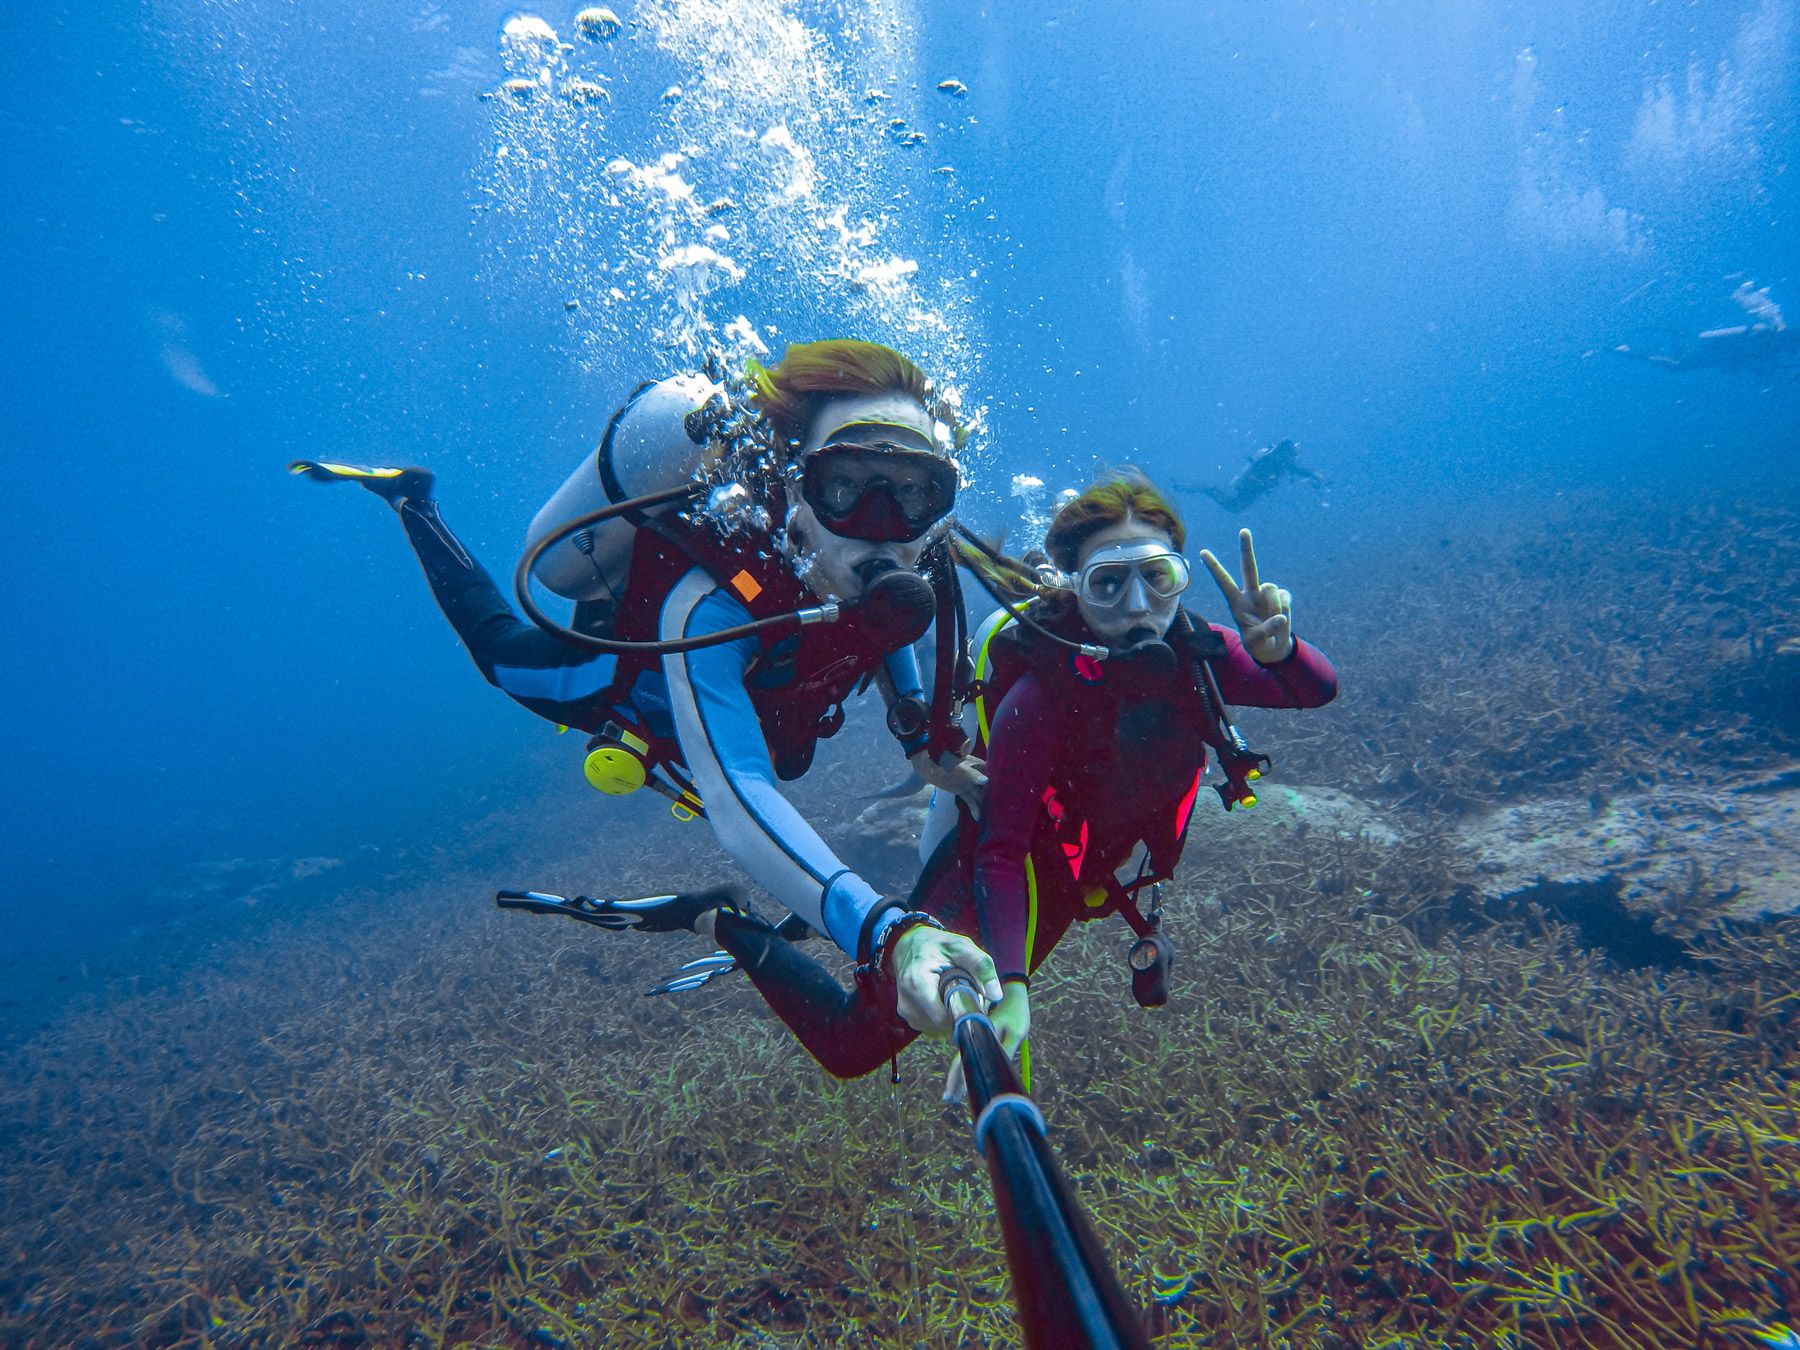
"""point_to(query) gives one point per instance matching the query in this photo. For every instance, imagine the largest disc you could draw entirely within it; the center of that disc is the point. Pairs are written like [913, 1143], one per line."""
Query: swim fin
[652, 914]
[696, 973]
[393, 486]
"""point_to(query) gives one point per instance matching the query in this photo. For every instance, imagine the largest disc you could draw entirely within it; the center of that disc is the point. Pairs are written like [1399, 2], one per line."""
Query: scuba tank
[656, 441]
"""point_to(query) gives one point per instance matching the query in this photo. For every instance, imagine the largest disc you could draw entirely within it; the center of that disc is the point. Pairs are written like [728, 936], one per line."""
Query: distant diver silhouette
[1765, 347]
[1266, 470]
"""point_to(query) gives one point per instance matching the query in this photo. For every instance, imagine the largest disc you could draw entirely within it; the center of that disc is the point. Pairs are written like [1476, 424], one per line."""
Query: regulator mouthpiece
[1152, 656]
[897, 606]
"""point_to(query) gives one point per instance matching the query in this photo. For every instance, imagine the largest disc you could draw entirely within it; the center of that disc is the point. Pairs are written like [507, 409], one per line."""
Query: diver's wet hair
[1123, 494]
[790, 392]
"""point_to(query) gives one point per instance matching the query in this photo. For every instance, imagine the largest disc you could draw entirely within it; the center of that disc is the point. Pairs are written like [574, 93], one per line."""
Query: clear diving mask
[1106, 580]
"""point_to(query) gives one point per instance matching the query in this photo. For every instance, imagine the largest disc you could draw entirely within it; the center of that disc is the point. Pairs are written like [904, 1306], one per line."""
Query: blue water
[1406, 236]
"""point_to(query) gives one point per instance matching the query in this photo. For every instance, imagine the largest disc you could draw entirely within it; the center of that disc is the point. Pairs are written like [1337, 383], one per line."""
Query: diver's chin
[854, 580]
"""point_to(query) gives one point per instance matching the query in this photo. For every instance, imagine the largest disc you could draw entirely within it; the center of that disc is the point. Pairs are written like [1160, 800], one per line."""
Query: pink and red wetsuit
[1085, 762]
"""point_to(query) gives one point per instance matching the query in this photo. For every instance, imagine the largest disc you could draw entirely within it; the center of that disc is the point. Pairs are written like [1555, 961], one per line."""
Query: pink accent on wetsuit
[1040, 748]
[1144, 795]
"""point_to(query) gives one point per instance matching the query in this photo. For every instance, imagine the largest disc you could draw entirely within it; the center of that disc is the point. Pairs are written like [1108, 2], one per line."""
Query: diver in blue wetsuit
[854, 509]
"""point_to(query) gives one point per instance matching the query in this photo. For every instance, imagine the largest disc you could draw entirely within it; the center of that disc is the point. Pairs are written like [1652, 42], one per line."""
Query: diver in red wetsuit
[1099, 705]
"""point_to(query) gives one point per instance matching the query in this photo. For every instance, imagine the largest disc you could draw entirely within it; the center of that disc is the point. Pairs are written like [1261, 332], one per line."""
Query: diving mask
[881, 491]
[1106, 580]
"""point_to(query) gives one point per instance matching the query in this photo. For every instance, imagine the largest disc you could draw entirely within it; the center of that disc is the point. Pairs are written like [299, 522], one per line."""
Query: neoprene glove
[920, 959]
[1011, 1017]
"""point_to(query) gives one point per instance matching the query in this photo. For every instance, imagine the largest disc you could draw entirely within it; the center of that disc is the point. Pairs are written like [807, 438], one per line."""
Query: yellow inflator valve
[617, 762]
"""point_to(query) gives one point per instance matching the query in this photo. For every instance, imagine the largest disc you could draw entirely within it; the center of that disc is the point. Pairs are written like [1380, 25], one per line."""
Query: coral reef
[1394, 1102]
[1344, 1133]
[1607, 644]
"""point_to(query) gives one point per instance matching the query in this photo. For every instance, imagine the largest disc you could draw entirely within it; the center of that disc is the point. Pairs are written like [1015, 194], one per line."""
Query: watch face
[907, 718]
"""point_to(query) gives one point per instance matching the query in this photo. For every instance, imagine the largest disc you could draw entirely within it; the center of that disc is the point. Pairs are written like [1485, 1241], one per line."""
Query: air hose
[828, 612]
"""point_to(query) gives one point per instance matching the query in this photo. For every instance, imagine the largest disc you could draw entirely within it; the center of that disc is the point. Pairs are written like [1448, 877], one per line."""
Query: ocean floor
[1483, 1033]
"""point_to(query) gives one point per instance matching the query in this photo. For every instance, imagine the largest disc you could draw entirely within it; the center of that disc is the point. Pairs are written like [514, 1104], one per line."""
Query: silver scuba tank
[652, 443]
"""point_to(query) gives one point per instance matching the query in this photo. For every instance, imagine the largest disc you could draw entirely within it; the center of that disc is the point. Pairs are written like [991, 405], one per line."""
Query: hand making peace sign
[1263, 610]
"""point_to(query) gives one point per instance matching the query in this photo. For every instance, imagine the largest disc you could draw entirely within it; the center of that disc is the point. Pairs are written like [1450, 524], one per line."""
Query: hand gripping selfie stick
[1067, 1294]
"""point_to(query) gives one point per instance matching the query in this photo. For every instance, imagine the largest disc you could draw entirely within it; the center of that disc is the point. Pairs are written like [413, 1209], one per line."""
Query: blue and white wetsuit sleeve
[722, 741]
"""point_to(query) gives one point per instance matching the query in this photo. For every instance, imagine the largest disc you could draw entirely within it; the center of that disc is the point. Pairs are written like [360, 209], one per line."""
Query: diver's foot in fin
[653, 914]
[396, 487]
[696, 973]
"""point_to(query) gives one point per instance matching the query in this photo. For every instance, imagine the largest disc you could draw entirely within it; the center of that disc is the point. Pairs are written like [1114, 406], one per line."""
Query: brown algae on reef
[1396, 1097]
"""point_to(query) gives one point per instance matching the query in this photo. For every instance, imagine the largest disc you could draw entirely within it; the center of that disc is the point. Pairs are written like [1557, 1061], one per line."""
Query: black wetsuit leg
[841, 1028]
[538, 671]
[845, 1030]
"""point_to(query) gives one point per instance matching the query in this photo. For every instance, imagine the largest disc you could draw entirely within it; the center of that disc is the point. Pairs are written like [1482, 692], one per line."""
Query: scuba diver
[742, 559]
[1096, 704]
[1764, 347]
[1266, 470]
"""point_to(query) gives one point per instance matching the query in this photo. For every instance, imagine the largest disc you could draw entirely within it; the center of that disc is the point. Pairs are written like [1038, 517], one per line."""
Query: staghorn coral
[1372, 1115]
[1612, 643]
[1346, 1133]
[1362, 1139]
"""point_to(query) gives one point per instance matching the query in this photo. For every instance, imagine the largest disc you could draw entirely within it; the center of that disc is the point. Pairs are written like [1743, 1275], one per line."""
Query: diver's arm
[1302, 679]
[722, 741]
[1021, 755]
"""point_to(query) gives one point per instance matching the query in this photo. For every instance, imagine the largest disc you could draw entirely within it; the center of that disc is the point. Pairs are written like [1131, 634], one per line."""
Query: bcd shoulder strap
[665, 549]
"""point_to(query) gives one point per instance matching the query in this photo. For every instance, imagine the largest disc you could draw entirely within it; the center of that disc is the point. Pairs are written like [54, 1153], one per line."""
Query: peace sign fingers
[1247, 550]
[1262, 609]
[1229, 588]
[1247, 600]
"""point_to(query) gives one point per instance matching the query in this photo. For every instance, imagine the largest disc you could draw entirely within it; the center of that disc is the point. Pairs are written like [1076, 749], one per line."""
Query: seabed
[1483, 1035]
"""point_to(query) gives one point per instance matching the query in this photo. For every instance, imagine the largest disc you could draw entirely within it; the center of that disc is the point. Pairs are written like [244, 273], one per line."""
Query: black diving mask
[881, 493]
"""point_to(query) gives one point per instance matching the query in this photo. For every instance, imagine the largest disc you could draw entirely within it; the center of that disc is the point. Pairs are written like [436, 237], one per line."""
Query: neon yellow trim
[641, 746]
[1031, 911]
[982, 666]
[355, 471]
[889, 423]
